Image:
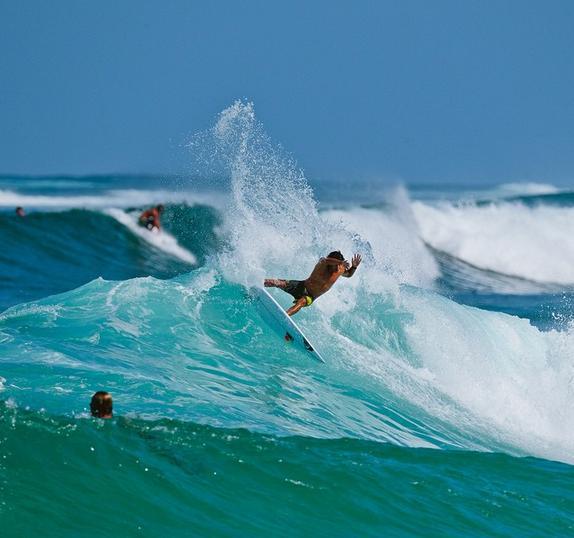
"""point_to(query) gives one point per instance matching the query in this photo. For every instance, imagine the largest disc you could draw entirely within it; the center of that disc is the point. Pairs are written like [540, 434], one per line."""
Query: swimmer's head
[20, 211]
[101, 404]
[160, 208]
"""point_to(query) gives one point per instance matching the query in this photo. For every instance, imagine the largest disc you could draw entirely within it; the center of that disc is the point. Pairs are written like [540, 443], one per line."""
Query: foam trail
[161, 239]
[534, 243]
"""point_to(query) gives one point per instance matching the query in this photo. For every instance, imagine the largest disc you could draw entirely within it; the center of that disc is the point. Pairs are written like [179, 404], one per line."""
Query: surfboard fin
[308, 346]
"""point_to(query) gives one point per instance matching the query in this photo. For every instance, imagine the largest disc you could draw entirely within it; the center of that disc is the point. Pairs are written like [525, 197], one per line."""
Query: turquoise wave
[414, 369]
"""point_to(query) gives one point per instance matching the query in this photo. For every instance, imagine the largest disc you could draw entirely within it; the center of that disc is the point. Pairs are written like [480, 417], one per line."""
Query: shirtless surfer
[325, 274]
[150, 218]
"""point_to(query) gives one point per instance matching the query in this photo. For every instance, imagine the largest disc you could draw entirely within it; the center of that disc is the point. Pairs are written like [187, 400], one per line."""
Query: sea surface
[445, 407]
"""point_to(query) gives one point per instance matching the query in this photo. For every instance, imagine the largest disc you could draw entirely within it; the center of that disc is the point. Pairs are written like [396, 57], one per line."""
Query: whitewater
[449, 355]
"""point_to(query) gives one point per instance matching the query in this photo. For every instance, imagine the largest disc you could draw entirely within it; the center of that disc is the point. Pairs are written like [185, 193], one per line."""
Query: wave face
[49, 252]
[429, 413]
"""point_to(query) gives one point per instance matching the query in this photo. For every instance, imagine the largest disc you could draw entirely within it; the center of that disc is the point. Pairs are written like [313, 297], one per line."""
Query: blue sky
[414, 90]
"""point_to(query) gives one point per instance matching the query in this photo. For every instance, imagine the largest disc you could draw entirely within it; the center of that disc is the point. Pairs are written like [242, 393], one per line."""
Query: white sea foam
[272, 220]
[393, 238]
[514, 379]
[112, 198]
[526, 188]
[160, 239]
[276, 230]
[535, 243]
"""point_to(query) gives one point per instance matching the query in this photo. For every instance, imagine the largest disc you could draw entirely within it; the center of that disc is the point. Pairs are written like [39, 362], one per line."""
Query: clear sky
[417, 90]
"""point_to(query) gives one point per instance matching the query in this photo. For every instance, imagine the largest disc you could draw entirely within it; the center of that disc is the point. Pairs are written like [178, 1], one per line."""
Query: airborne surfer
[324, 275]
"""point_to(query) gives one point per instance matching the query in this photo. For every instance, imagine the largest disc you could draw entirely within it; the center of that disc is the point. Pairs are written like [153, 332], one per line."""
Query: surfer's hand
[355, 262]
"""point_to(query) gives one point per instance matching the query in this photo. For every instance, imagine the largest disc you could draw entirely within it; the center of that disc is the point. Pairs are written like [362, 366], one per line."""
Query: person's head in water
[20, 211]
[101, 404]
[159, 208]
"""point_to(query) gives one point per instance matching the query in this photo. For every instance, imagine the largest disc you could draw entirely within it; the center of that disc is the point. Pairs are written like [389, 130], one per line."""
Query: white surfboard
[281, 323]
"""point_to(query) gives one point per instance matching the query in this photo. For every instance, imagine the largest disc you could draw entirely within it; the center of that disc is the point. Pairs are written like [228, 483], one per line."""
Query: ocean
[444, 407]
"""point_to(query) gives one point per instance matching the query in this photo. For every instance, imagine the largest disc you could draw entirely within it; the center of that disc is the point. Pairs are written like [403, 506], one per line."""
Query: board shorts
[147, 223]
[297, 289]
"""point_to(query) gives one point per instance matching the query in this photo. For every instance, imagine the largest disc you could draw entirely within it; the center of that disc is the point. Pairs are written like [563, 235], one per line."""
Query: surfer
[150, 218]
[324, 275]
[20, 211]
[101, 405]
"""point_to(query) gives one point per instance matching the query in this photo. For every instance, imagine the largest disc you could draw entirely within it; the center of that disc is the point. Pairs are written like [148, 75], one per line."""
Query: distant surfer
[150, 218]
[20, 211]
[101, 405]
[325, 274]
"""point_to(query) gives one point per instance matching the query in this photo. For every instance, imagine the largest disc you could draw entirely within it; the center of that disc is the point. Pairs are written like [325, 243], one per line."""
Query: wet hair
[101, 404]
[337, 255]
[159, 207]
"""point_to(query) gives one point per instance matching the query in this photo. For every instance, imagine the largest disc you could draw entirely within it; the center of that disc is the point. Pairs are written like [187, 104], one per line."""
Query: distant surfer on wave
[150, 218]
[325, 274]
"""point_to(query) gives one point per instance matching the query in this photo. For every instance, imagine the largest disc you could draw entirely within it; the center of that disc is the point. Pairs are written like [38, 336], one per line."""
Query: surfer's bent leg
[300, 303]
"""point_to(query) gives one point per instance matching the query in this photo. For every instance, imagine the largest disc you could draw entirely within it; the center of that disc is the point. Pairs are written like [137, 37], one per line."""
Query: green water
[130, 477]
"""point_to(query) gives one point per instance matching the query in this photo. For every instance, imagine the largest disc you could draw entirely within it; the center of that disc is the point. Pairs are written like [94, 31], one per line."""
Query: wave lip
[533, 243]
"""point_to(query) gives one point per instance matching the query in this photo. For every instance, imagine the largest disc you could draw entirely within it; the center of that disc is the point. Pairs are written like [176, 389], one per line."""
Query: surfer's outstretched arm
[297, 306]
[355, 262]
[274, 283]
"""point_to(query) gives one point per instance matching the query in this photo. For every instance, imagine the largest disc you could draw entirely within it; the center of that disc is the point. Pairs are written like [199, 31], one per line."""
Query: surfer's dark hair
[159, 207]
[336, 254]
[101, 404]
